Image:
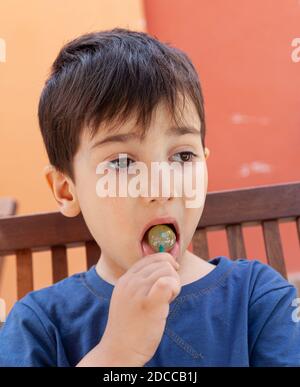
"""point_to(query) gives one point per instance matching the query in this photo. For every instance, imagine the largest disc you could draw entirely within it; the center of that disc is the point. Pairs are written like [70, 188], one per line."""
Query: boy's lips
[146, 248]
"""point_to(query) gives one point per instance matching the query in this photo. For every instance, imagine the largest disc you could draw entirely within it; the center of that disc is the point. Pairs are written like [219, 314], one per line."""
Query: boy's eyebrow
[124, 137]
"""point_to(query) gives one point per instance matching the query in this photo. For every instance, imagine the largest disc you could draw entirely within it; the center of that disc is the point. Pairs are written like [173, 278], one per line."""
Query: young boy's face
[117, 223]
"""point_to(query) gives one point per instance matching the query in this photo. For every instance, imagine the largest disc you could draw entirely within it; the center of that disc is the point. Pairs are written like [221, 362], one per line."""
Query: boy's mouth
[172, 223]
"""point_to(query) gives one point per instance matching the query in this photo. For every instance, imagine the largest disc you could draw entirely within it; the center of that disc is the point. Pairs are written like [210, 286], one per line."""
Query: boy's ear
[206, 152]
[63, 191]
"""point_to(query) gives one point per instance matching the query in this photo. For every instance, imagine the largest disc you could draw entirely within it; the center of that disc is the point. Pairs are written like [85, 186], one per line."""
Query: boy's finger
[158, 257]
[153, 267]
[165, 289]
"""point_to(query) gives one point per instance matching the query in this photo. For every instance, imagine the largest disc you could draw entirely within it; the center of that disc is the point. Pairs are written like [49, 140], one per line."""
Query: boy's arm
[274, 326]
[104, 355]
[24, 341]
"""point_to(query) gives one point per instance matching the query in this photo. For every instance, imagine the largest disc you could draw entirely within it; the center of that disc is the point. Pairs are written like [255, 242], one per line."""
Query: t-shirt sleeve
[274, 326]
[24, 341]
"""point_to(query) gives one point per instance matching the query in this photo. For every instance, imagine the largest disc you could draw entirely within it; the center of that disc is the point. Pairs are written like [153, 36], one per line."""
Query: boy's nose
[160, 186]
[159, 199]
[160, 193]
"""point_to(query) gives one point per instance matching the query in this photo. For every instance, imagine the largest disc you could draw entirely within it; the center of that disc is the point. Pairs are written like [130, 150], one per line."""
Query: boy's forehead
[161, 118]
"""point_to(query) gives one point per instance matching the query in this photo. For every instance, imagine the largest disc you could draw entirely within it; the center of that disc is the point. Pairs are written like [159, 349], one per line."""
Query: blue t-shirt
[242, 313]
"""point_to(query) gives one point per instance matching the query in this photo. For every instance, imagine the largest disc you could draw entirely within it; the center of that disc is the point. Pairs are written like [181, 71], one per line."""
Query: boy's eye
[125, 162]
[185, 156]
[120, 163]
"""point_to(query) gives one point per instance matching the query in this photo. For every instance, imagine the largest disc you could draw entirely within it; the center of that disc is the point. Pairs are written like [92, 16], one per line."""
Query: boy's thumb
[164, 290]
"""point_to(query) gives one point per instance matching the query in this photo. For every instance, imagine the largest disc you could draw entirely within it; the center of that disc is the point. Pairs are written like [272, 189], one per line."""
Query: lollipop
[161, 238]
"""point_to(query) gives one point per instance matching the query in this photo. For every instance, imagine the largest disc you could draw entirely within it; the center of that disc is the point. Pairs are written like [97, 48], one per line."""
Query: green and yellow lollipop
[161, 238]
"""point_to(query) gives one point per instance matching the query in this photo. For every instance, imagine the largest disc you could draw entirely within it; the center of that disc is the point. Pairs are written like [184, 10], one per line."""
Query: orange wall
[33, 32]
[251, 81]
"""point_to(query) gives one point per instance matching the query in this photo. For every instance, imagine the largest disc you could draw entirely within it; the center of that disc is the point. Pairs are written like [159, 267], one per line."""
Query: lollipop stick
[161, 248]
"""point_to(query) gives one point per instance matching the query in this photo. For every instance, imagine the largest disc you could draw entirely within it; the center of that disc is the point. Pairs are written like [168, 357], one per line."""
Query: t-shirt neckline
[222, 263]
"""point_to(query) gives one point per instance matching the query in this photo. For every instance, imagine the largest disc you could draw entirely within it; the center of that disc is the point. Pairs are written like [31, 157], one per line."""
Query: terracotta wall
[247, 54]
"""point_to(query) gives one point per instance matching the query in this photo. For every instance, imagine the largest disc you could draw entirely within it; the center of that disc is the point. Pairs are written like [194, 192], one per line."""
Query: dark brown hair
[109, 76]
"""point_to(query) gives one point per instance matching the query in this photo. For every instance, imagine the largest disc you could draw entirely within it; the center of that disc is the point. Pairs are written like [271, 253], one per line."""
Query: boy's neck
[191, 269]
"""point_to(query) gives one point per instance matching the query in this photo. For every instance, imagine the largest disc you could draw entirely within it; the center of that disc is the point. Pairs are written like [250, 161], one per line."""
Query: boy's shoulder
[273, 330]
[254, 269]
[62, 296]
[251, 279]
[262, 278]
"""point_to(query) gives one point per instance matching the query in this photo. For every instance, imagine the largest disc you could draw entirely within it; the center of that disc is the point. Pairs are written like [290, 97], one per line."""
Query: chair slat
[236, 242]
[200, 243]
[273, 246]
[8, 206]
[251, 204]
[59, 262]
[39, 231]
[24, 272]
[92, 253]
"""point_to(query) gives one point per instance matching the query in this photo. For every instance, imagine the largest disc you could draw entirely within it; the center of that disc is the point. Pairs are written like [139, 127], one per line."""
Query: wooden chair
[8, 206]
[231, 210]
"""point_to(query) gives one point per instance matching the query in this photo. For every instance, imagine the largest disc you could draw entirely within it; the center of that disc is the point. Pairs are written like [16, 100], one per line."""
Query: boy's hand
[139, 308]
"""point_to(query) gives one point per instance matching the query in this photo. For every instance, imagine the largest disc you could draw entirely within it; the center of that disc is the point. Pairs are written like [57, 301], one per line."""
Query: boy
[115, 93]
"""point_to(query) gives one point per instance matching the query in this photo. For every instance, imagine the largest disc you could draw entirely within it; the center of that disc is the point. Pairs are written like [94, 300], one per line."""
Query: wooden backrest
[230, 210]
[234, 210]
[8, 206]
[24, 234]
